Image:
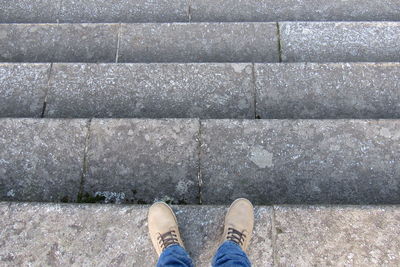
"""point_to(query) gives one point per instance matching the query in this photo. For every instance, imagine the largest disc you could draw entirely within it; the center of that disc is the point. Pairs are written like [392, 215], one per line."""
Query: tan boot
[239, 223]
[163, 227]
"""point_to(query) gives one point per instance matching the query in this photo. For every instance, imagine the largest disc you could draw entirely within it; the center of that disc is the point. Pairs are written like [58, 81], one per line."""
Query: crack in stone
[85, 161]
[47, 90]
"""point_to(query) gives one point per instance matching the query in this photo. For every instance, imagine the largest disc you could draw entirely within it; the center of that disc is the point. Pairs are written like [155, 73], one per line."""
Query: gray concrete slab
[28, 11]
[301, 161]
[328, 91]
[340, 41]
[124, 11]
[337, 236]
[86, 43]
[199, 42]
[27, 42]
[151, 91]
[23, 89]
[104, 235]
[41, 160]
[292, 10]
[58, 42]
[139, 161]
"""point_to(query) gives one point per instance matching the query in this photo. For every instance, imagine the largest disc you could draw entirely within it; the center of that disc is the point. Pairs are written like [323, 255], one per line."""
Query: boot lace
[168, 239]
[236, 236]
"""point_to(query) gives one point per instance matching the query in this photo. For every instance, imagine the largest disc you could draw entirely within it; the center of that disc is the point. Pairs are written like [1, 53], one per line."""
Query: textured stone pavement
[340, 41]
[201, 42]
[116, 235]
[41, 160]
[188, 160]
[45, 11]
[201, 90]
[328, 90]
[151, 90]
[301, 161]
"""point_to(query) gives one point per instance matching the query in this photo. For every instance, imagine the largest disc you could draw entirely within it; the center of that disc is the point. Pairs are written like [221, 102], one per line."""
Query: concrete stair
[105, 235]
[199, 102]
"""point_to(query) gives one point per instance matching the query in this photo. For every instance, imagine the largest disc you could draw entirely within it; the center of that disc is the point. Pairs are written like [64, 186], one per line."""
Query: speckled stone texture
[140, 161]
[27, 42]
[44, 11]
[199, 42]
[116, 235]
[41, 160]
[340, 41]
[301, 10]
[29, 11]
[301, 161]
[151, 91]
[109, 235]
[323, 91]
[58, 42]
[86, 43]
[124, 11]
[337, 236]
[23, 88]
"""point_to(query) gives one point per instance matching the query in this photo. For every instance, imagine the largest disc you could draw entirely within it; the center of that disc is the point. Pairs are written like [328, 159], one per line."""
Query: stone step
[339, 41]
[48, 11]
[116, 235]
[200, 161]
[138, 42]
[201, 90]
[202, 42]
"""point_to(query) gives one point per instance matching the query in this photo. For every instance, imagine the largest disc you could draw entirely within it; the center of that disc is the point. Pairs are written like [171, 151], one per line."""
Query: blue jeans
[229, 254]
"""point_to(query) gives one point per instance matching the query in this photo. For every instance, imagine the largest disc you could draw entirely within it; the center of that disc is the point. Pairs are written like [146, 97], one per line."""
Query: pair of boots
[164, 231]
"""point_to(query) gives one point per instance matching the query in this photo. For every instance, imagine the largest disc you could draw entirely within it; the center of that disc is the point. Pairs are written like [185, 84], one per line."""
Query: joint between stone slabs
[278, 32]
[85, 166]
[47, 90]
[119, 33]
[189, 11]
[199, 176]
[253, 77]
[273, 237]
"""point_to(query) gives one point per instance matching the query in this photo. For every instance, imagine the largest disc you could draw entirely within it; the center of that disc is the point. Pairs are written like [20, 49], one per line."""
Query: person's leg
[230, 254]
[174, 255]
[238, 228]
[165, 236]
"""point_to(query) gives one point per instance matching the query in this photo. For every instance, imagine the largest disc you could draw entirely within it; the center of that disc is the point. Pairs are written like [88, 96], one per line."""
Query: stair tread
[196, 10]
[201, 42]
[204, 90]
[185, 160]
[340, 41]
[62, 234]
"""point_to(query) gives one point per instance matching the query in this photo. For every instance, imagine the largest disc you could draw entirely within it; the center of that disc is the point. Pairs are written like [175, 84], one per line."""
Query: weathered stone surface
[41, 160]
[337, 236]
[151, 91]
[28, 11]
[86, 43]
[202, 228]
[58, 42]
[104, 235]
[139, 161]
[340, 41]
[301, 161]
[124, 11]
[27, 42]
[23, 88]
[199, 42]
[109, 235]
[301, 10]
[343, 90]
